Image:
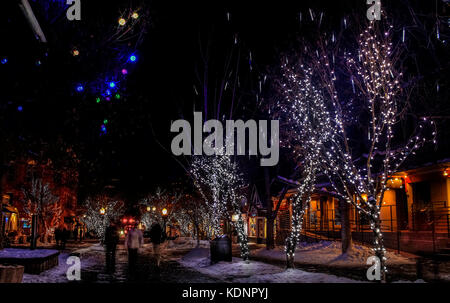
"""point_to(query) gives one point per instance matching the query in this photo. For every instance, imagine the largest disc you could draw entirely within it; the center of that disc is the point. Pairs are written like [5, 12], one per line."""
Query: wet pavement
[170, 270]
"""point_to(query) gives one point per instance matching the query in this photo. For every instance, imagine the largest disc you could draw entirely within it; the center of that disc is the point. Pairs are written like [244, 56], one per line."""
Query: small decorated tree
[39, 199]
[100, 211]
[220, 183]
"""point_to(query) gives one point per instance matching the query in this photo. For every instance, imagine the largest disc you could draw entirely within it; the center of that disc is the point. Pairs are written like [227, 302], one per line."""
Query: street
[170, 271]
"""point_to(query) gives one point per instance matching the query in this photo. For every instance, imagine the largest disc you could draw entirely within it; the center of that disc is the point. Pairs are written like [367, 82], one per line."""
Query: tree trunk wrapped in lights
[308, 127]
[372, 100]
[219, 182]
[299, 205]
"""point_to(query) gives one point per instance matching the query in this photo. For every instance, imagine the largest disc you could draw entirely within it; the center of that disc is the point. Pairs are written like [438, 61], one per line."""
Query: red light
[124, 220]
[131, 220]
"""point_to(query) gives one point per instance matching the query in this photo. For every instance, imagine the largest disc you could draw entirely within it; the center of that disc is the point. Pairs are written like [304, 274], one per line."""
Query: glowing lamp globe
[122, 21]
[124, 71]
[4, 60]
[148, 208]
[80, 88]
[164, 211]
[75, 52]
[102, 211]
[112, 84]
[135, 15]
[133, 58]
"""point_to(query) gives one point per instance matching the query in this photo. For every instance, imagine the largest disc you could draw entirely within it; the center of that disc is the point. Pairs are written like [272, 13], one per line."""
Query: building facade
[19, 173]
[415, 213]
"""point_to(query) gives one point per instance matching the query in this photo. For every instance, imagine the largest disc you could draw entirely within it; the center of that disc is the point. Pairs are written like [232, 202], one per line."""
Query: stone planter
[11, 273]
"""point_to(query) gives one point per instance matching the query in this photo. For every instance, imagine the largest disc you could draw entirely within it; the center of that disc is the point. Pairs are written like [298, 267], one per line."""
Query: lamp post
[34, 230]
[164, 214]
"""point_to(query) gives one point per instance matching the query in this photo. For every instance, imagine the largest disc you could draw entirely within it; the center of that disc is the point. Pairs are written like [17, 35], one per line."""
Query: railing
[434, 218]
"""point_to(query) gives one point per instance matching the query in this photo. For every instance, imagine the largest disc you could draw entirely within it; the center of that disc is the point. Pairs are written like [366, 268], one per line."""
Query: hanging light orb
[135, 15]
[122, 21]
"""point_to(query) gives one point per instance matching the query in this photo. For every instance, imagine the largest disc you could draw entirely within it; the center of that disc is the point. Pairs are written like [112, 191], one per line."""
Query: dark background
[135, 155]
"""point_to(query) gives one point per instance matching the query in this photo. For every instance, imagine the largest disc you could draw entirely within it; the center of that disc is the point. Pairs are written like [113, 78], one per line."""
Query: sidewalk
[326, 257]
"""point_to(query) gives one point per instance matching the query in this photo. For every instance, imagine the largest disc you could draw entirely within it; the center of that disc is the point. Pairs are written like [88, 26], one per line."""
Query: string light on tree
[122, 21]
[220, 183]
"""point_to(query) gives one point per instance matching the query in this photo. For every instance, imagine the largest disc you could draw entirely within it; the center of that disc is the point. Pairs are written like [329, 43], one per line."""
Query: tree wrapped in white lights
[153, 204]
[219, 181]
[376, 106]
[100, 211]
[40, 200]
[307, 127]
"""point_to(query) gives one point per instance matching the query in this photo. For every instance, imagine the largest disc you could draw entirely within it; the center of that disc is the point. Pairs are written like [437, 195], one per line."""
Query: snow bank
[58, 274]
[329, 252]
[253, 271]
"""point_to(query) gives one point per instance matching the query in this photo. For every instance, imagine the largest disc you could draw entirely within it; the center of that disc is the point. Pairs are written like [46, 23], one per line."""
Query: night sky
[159, 90]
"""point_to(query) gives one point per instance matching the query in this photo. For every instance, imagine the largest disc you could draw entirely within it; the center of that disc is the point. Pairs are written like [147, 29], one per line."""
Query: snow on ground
[329, 252]
[253, 271]
[20, 253]
[58, 274]
[296, 276]
[186, 243]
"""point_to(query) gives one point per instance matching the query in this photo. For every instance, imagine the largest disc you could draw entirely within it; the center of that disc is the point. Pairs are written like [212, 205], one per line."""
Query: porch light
[364, 196]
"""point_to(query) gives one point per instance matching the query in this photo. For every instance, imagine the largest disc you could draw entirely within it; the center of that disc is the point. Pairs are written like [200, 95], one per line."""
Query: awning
[10, 209]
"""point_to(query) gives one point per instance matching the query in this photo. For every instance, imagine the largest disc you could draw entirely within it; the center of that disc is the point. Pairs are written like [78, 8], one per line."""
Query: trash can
[221, 249]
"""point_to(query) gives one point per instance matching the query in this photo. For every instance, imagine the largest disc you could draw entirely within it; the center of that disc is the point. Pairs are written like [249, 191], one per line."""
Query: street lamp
[148, 208]
[102, 211]
[154, 208]
[164, 215]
